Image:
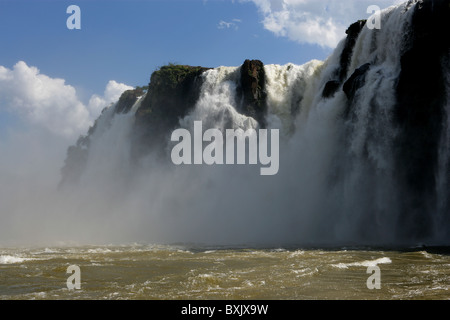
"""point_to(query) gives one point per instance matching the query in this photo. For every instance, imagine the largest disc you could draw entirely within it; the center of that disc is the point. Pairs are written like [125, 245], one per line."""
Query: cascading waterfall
[217, 105]
[339, 179]
[361, 190]
[286, 88]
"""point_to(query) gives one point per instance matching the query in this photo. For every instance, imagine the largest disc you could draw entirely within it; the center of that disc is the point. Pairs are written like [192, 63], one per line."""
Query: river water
[186, 272]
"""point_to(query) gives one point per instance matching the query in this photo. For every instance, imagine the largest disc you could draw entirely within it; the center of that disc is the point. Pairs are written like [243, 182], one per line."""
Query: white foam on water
[367, 263]
[426, 254]
[99, 250]
[296, 253]
[8, 259]
[305, 272]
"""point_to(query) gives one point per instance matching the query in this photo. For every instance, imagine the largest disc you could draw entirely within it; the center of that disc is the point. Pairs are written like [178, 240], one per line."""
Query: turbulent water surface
[189, 272]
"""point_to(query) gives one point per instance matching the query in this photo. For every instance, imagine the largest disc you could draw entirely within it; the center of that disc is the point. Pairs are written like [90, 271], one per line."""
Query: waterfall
[287, 87]
[344, 171]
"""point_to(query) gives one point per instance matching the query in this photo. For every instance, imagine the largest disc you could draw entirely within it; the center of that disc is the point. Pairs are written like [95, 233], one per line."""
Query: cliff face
[420, 111]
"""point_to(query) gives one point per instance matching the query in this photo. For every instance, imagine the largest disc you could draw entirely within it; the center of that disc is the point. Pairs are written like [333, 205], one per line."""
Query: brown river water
[183, 272]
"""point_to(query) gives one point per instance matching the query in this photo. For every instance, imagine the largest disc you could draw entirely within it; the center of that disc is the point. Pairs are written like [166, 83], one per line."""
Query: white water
[217, 105]
[8, 259]
[367, 263]
[287, 87]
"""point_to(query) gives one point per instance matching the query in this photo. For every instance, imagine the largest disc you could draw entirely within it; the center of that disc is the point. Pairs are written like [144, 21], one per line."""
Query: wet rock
[341, 72]
[252, 91]
[356, 81]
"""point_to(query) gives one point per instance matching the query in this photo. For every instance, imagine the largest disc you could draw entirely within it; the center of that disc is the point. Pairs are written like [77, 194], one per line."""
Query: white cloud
[112, 93]
[49, 102]
[321, 22]
[229, 25]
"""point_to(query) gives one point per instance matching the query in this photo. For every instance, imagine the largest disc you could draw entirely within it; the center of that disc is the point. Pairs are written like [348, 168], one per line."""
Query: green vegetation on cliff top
[171, 75]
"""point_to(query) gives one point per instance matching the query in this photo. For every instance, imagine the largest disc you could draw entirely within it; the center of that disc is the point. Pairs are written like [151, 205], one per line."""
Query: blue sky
[127, 40]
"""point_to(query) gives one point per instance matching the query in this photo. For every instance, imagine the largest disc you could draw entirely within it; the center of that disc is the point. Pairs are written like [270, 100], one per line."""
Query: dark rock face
[352, 35]
[75, 162]
[173, 92]
[252, 91]
[330, 88]
[341, 73]
[356, 81]
[420, 114]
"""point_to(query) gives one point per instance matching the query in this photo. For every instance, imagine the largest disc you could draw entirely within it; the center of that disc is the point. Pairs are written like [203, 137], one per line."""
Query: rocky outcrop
[332, 86]
[352, 35]
[128, 99]
[252, 91]
[356, 81]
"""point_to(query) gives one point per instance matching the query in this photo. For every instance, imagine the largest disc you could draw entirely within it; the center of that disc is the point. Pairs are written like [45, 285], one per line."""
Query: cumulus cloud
[321, 22]
[50, 103]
